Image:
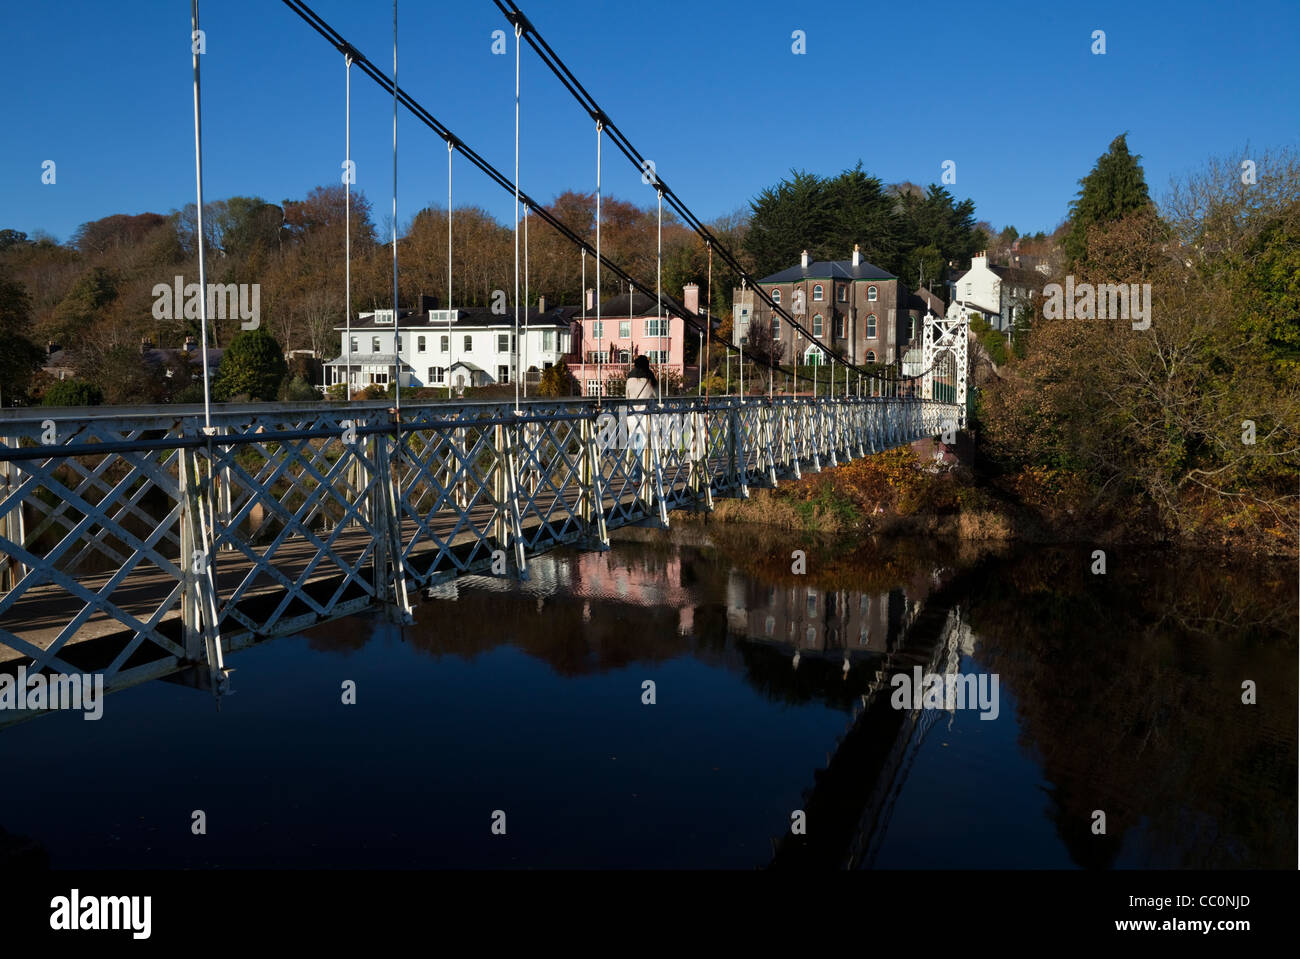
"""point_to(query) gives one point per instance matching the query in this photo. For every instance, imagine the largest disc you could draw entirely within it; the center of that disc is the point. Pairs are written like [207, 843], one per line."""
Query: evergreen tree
[1114, 188]
[19, 356]
[253, 365]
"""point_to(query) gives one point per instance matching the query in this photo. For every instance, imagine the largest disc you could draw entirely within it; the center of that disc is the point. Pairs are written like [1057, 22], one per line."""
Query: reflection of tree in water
[1129, 693]
[344, 636]
[818, 679]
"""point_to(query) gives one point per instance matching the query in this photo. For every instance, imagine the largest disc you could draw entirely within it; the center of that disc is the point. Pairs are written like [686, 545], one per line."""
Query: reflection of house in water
[818, 619]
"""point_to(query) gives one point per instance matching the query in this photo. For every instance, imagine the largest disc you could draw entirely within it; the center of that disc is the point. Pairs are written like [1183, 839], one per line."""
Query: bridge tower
[946, 334]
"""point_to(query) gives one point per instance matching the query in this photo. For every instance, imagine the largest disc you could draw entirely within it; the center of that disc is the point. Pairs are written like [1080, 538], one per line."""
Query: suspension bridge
[137, 542]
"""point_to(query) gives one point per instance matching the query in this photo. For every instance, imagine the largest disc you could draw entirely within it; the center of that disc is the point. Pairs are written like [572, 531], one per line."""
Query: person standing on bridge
[641, 385]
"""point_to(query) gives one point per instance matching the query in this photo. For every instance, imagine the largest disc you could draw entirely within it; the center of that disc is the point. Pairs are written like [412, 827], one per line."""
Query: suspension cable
[347, 223]
[198, 212]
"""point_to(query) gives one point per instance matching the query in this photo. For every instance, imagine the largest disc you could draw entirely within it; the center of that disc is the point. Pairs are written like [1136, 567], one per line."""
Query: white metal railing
[133, 541]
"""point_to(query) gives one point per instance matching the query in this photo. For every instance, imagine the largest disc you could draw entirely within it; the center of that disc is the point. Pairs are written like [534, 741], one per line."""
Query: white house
[999, 293]
[473, 346]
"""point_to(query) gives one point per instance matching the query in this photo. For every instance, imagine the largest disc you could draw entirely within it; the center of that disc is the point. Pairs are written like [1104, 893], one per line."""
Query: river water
[645, 707]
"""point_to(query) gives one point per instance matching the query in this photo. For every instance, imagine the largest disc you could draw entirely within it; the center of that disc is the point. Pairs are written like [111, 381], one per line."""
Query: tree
[1115, 188]
[558, 381]
[19, 356]
[122, 374]
[253, 365]
[73, 392]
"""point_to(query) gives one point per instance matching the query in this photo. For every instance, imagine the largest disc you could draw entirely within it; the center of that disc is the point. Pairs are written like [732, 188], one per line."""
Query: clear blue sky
[710, 90]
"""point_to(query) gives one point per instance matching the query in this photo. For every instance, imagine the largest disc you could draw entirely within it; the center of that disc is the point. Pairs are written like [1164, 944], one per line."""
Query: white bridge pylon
[951, 335]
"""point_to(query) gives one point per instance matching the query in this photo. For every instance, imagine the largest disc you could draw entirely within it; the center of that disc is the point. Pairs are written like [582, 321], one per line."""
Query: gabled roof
[1031, 279]
[924, 300]
[830, 270]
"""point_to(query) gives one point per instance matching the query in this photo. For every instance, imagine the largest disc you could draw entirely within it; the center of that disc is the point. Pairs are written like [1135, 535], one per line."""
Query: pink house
[630, 326]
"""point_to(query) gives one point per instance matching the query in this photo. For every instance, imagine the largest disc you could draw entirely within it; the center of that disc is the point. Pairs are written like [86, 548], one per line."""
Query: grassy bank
[896, 493]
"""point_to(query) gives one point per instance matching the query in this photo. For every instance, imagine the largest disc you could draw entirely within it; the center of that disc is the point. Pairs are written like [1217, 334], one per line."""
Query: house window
[871, 356]
[813, 357]
[374, 344]
[776, 297]
[871, 294]
[593, 388]
[912, 330]
[503, 374]
[968, 290]
[842, 294]
[469, 344]
[399, 344]
[503, 342]
[817, 325]
[446, 344]
[379, 378]
[419, 344]
[625, 329]
[598, 330]
[656, 356]
[817, 292]
[839, 326]
[352, 344]
[656, 327]
[871, 326]
[437, 374]
[548, 340]
[776, 327]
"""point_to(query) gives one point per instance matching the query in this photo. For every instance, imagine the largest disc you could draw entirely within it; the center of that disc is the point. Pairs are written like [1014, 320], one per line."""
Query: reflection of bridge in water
[136, 544]
[797, 644]
[849, 805]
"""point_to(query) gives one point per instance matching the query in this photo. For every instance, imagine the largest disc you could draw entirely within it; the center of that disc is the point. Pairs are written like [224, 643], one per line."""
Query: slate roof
[830, 270]
[1029, 279]
[923, 299]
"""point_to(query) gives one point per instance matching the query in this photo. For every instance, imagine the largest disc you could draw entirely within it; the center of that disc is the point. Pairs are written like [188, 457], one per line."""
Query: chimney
[146, 344]
[541, 304]
[427, 302]
[980, 259]
[857, 255]
[803, 260]
[691, 297]
[591, 298]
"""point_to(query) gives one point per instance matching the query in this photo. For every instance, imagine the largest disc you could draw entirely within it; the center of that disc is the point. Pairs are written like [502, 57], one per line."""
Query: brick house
[849, 306]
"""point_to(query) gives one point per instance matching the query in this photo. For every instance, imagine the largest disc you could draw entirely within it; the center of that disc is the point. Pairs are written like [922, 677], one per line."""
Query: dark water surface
[1119, 693]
